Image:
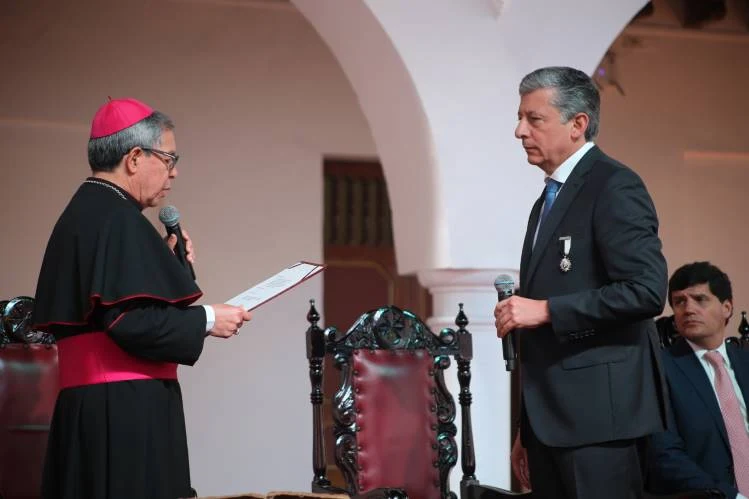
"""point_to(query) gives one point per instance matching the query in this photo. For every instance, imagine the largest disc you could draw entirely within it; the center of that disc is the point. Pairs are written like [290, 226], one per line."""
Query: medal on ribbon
[565, 264]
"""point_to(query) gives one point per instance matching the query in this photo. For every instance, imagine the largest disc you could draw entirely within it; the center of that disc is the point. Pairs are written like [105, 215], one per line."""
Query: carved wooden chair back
[394, 418]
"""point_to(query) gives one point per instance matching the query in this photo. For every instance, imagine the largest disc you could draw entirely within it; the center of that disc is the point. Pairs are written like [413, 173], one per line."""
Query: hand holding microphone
[504, 286]
[169, 216]
[512, 312]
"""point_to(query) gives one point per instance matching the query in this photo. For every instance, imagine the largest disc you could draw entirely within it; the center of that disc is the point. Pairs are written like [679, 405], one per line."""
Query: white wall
[257, 99]
[682, 126]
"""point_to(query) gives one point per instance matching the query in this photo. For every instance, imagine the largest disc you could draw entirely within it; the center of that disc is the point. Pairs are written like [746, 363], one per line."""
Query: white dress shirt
[562, 173]
[210, 317]
[710, 371]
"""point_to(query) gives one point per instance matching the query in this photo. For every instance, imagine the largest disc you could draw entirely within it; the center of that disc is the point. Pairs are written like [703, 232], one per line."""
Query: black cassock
[108, 272]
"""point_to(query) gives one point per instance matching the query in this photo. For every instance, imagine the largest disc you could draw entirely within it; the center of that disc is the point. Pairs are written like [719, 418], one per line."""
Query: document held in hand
[275, 285]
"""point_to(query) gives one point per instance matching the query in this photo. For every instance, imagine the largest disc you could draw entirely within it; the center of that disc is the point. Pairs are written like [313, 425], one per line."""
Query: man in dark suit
[707, 444]
[592, 277]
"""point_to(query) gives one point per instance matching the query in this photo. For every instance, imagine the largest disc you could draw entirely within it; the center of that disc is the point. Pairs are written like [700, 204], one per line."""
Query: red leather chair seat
[28, 391]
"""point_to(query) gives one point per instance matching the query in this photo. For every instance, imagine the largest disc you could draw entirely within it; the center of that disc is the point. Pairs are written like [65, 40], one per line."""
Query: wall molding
[717, 157]
[686, 34]
[75, 126]
[279, 5]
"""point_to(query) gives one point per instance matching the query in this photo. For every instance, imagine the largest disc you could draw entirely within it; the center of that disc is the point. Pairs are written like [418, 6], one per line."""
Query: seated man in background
[707, 443]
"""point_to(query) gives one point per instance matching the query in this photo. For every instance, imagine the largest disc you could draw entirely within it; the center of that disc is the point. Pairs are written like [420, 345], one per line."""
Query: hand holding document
[275, 285]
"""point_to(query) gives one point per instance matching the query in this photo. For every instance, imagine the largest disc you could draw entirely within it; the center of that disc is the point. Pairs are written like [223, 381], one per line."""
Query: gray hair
[575, 93]
[104, 153]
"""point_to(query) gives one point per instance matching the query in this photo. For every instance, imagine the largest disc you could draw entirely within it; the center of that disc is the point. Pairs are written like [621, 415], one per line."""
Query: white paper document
[275, 285]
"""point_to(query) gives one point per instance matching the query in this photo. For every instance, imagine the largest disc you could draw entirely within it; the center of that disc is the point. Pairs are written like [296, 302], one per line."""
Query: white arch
[396, 118]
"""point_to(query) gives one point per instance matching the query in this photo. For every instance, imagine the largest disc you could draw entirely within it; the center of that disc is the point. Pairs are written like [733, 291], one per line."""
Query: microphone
[169, 216]
[504, 286]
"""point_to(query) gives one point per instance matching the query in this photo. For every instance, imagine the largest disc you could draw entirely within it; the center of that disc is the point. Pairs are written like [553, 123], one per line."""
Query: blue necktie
[550, 194]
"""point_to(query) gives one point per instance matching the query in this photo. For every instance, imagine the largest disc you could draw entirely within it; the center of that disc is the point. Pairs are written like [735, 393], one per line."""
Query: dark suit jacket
[694, 452]
[593, 375]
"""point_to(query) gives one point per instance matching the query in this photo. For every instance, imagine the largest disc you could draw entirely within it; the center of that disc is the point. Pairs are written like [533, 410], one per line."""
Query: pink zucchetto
[116, 115]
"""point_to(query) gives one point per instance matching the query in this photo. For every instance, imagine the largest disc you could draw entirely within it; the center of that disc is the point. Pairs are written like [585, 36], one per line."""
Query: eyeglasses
[171, 159]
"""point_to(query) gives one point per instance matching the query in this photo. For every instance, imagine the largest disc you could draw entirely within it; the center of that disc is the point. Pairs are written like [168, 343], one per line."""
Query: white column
[490, 383]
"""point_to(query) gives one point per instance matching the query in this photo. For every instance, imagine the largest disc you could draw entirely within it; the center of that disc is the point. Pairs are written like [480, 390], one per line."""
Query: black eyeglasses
[171, 159]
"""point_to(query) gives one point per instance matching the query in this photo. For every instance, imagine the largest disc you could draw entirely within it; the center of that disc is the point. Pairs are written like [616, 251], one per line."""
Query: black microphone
[504, 286]
[169, 216]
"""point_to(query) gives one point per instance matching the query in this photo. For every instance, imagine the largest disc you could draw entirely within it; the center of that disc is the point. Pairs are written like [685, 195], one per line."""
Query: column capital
[472, 287]
[462, 279]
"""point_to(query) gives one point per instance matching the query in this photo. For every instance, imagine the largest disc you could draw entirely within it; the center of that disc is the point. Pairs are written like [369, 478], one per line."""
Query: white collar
[563, 171]
[700, 352]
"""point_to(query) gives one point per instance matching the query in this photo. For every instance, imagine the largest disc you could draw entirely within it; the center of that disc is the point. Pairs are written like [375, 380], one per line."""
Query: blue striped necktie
[550, 194]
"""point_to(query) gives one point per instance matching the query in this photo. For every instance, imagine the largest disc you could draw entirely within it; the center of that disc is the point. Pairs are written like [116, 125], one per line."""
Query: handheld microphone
[169, 216]
[504, 286]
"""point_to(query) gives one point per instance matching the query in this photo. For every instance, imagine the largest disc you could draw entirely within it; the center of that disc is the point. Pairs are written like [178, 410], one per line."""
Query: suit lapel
[740, 364]
[562, 203]
[688, 363]
[528, 243]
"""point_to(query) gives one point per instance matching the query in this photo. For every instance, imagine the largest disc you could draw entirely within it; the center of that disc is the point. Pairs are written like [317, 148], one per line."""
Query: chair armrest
[477, 491]
[292, 494]
[382, 493]
[336, 493]
[240, 496]
[689, 494]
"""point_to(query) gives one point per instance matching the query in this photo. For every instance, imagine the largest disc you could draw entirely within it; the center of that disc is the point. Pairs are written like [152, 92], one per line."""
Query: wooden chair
[28, 390]
[394, 418]
[743, 339]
